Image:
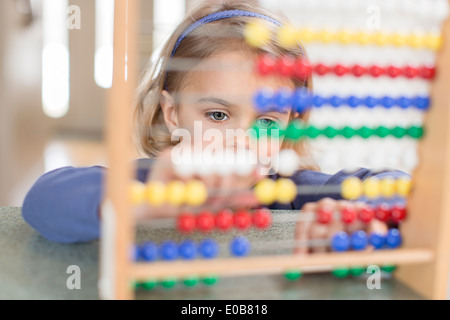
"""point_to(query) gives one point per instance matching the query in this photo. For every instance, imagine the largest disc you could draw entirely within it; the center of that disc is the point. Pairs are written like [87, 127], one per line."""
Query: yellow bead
[176, 193]
[286, 190]
[137, 193]
[287, 36]
[265, 191]
[403, 186]
[433, 42]
[399, 39]
[257, 34]
[325, 36]
[387, 187]
[345, 37]
[351, 188]
[196, 193]
[155, 193]
[371, 187]
[381, 38]
[416, 41]
[306, 35]
[363, 38]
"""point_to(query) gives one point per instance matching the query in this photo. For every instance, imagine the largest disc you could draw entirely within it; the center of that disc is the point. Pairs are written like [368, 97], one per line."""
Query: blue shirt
[63, 205]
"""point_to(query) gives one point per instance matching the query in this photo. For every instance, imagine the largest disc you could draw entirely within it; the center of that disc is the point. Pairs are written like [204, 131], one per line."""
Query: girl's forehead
[234, 71]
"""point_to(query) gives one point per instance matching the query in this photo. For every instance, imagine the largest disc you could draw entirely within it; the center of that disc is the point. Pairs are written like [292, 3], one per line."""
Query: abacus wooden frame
[423, 260]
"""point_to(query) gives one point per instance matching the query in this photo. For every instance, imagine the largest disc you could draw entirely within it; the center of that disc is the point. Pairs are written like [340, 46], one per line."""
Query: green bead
[399, 132]
[416, 132]
[388, 268]
[330, 132]
[340, 272]
[169, 283]
[293, 275]
[149, 284]
[348, 132]
[191, 281]
[365, 132]
[275, 131]
[295, 130]
[210, 280]
[357, 270]
[312, 132]
[382, 132]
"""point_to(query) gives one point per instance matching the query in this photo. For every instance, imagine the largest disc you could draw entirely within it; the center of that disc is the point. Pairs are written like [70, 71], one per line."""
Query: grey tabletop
[32, 267]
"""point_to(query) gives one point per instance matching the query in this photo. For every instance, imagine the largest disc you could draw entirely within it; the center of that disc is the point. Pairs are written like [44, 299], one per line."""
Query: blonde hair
[152, 135]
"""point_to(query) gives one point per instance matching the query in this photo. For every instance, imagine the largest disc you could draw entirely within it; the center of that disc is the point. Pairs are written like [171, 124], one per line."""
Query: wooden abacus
[423, 259]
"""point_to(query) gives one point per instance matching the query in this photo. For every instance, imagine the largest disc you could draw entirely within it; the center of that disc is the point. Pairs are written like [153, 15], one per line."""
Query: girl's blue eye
[265, 123]
[217, 116]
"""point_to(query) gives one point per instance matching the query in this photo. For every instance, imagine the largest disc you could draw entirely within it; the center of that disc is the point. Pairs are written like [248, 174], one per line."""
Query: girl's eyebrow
[216, 100]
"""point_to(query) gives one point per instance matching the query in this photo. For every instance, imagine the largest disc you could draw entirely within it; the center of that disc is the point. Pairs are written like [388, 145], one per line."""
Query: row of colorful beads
[296, 131]
[359, 240]
[338, 272]
[188, 249]
[175, 193]
[224, 220]
[171, 282]
[301, 68]
[301, 100]
[366, 214]
[258, 34]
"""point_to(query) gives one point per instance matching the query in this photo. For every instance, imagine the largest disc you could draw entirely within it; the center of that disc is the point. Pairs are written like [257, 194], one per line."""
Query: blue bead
[387, 102]
[359, 240]
[422, 103]
[240, 246]
[336, 101]
[318, 101]
[209, 248]
[263, 100]
[187, 250]
[149, 252]
[168, 250]
[353, 101]
[302, 100]
[283, 99]
[393, 238]
[370, 101]
[404, 102]
[377, 240]
[340, 241]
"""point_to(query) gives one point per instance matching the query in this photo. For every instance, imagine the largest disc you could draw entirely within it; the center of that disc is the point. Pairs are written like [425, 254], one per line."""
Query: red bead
[398, 213]
[348, 214]
[393, 71]
[205, 221]
[224, 220]
[242, 220]
[325, 214]
[186, 222]
[262, 219]
[302, 69]
[321, 69]
[265, 64]
[358, 70]
[410, 72]
[366, 214]
[427, 72]
[340, 70]
[376, 71]
[285, 66]
[383, 212]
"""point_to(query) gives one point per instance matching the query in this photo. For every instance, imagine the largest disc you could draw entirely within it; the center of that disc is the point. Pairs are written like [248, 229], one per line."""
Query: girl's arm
[64, 205]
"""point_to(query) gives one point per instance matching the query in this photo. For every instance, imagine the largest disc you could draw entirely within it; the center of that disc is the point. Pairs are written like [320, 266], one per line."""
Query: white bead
[286, 163]
[184, 166]
[245, 162]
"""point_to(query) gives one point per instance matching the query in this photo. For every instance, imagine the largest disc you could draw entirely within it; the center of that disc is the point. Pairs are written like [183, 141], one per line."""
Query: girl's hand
[231, 191]
[315, 230]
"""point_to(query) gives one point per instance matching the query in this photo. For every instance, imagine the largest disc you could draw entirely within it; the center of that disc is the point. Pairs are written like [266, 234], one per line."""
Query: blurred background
[56, 71]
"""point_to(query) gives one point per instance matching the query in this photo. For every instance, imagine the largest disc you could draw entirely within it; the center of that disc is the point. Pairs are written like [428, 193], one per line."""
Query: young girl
[204, 78]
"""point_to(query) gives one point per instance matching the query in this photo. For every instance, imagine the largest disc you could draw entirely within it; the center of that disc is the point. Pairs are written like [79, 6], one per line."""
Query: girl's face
[216, 102]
